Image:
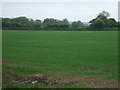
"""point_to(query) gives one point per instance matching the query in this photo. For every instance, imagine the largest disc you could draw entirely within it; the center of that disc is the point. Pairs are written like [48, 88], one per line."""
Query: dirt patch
[92, 69]
[10, 77]
[93, 82]
[6, 61]
[39, 79]
[49, 80]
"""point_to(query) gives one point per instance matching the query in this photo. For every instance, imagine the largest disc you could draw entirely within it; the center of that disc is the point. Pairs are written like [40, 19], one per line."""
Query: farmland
[60, 56]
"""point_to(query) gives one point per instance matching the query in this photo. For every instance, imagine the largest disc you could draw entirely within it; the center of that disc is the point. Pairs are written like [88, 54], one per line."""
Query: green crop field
[64, 56]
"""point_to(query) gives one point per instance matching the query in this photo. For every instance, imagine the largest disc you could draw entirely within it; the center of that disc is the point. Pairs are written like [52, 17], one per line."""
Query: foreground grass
[69, 52]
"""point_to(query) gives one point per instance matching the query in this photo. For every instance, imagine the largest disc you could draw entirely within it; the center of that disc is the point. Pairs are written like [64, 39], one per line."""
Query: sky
[73, 10]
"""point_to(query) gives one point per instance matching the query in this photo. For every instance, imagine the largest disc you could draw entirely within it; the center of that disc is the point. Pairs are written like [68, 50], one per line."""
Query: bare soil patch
[49, 80]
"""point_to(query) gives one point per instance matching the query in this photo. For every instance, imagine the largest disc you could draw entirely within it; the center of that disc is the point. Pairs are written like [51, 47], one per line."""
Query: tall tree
[100, 21]
[20, 23]
[64, 23]
[77, 24]
[112, 22]
[6, 23]
[50, 23]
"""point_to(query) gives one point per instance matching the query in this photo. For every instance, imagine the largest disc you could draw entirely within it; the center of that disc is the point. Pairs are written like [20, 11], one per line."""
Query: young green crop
[73, 52]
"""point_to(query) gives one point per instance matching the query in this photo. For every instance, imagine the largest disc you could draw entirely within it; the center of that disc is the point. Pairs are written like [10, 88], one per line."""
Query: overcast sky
[72, 10]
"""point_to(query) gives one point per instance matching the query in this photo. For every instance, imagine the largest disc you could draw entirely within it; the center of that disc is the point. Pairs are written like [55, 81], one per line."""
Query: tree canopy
[23, 23]
[101, 22]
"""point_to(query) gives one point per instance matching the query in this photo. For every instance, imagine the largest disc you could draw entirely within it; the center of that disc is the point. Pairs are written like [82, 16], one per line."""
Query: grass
[71, 52]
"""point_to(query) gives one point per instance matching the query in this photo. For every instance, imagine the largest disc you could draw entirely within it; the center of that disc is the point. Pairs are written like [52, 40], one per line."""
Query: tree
[118, 24]
[100, 21]
[20, 23]
[112, 22]
[50, 23]
[6, 23]
[77, 24]
[37, 24]
[64, 24]
[97, 24]
[104, 13]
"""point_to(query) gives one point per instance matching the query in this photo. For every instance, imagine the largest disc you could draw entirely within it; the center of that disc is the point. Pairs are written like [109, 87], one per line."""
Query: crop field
[62, 59]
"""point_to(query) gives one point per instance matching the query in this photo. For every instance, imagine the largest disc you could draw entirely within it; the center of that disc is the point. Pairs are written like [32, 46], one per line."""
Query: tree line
[24, 23]
[101, 22]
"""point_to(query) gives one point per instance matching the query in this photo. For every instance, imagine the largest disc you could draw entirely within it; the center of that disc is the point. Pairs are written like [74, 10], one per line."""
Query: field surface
[62, 59]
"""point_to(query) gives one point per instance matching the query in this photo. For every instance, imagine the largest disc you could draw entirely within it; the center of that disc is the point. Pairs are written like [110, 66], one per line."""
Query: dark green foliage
[97, 25]
[6, 23]
[118, 24]
[23, 23]
[20, 23]
[102, 21]
[112, 22]
[51, 23]
[77, 24]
